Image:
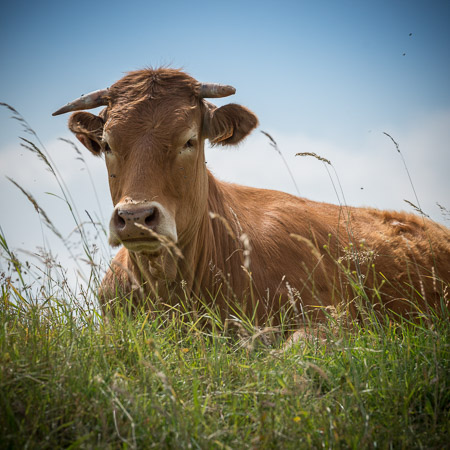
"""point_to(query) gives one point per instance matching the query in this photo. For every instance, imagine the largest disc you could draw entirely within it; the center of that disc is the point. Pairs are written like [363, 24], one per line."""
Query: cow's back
[322, 254]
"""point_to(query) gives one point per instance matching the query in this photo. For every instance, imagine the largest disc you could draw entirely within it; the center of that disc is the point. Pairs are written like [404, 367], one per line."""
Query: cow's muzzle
[141, 226]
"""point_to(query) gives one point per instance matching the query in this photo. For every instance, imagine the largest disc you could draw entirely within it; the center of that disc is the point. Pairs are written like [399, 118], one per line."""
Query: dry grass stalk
[315, 155]
[309, 243]
[167, 243]
[224, 222]
[247, 249]
[38, 209]
[416, 208]
[274, 145]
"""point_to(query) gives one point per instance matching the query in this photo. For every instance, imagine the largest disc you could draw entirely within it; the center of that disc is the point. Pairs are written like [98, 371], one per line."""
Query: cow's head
[152, 135]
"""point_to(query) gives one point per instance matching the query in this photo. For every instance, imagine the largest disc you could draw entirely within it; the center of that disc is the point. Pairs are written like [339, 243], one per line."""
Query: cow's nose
[128, 221]
[131, 221]
[128, 218]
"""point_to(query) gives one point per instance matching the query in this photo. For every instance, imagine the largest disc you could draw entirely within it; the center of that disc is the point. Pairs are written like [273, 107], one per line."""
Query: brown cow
[185, 232]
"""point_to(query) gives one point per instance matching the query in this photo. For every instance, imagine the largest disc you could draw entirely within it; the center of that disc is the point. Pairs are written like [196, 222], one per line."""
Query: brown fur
[262, 248]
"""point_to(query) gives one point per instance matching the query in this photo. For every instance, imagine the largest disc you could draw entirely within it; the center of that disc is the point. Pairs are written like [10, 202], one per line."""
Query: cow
[185, 234]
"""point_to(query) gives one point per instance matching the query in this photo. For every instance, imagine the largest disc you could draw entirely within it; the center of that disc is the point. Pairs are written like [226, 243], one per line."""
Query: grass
[76, 380]
[178, 378]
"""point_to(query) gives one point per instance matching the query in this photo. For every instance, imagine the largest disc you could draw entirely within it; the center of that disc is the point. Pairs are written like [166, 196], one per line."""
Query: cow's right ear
[88, 129]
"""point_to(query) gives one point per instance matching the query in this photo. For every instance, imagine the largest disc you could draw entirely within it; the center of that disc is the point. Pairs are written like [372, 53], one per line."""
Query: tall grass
[70, 378]
[181, 377]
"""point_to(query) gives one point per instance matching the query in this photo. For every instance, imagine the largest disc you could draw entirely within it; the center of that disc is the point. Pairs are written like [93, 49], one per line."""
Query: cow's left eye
[106, 147]
[189, 144]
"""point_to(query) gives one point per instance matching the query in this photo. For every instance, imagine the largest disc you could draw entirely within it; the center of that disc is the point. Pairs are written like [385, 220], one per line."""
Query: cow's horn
[214, 90]
[88, 101]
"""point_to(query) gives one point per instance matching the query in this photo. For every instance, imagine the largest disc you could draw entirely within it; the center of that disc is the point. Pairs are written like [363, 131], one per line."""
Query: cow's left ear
[229, 124]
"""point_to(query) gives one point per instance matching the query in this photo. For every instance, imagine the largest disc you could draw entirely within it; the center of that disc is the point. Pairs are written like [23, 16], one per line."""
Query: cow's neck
[213, 254]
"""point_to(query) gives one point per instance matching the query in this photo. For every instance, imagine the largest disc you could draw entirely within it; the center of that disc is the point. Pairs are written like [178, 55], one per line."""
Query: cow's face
[152, 137]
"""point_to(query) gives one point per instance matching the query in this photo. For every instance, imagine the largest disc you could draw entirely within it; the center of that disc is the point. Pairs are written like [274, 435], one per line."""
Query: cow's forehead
[163, 102]
[166, 120]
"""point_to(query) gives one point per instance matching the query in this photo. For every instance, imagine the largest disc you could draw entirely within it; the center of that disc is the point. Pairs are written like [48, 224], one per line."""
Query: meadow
[180, 376]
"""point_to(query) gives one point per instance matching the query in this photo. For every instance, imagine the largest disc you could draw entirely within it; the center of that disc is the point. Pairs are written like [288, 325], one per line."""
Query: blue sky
[323, 76]
[299, 63]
